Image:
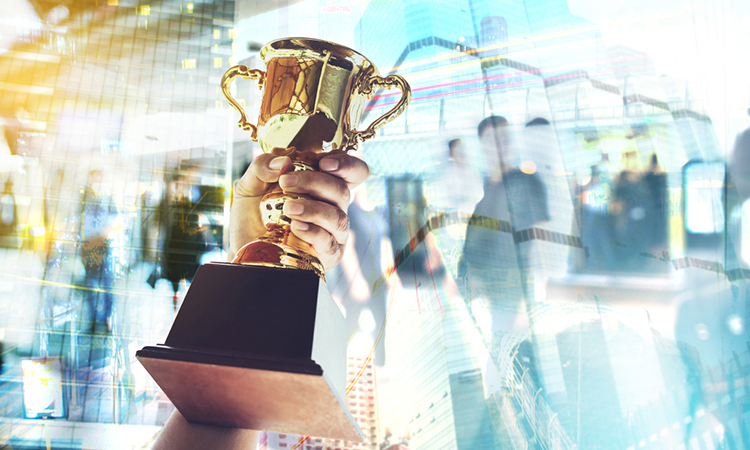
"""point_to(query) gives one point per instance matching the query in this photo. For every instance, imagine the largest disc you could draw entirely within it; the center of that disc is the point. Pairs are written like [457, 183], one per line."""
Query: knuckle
[359, 166]
[333, 246]
[342, 223]
[259, 168]
[346, 196]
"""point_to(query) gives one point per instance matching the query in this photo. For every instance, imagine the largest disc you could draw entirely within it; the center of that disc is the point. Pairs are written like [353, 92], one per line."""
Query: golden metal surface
[366, 88]
[279, 247]
[314, 92]
[247, 74]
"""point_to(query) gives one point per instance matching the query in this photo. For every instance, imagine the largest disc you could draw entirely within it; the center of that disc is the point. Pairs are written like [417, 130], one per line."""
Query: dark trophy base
[258, 348]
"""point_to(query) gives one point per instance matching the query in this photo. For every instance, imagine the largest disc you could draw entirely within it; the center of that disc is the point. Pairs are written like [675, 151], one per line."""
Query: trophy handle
[391, 81]
[246, 73]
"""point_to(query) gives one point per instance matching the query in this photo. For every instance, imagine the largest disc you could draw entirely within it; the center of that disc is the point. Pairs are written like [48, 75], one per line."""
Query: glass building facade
[573, 275]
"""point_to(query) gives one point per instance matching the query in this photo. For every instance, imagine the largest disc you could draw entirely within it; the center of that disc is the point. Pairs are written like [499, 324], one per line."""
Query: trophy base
[258, 348]
[239, 392]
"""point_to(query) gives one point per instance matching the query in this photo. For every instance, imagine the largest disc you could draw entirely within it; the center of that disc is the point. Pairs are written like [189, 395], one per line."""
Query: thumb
[264, 171]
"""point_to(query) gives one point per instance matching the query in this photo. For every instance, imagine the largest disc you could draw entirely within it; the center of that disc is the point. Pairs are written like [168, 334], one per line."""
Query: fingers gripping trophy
[259, 343]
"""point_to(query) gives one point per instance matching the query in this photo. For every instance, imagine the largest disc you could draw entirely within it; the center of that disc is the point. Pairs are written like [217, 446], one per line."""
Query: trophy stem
[279, 246]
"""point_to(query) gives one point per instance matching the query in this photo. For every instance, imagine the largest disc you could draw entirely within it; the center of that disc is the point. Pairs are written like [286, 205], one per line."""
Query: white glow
[482, 316]
[10, 163]
[736, 324]
[37, 231]
[360, 345]
[528, 167]
[18, 20]
[702, 331]
[367, 321]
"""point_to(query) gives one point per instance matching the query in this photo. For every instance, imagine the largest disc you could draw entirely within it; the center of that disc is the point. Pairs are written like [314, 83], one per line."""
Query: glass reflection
[571, 273]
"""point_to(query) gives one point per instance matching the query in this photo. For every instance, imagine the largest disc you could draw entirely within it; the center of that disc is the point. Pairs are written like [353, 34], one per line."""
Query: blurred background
[573, 274]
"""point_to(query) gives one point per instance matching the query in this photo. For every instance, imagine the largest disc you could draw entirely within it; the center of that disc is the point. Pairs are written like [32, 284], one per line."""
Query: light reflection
[736, 325]
[624, 325]
[37, 231]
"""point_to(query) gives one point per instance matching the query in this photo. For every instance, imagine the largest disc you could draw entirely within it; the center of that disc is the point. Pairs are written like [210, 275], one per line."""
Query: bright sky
[705, 42]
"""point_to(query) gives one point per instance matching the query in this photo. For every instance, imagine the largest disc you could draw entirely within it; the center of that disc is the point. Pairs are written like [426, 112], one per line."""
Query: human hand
[321, 222]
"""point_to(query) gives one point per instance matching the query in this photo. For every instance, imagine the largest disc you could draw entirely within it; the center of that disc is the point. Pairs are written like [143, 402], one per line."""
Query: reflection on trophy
[259, 343]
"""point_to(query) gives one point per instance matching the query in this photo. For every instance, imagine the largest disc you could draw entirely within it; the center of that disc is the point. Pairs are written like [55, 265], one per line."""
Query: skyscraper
[362, 402]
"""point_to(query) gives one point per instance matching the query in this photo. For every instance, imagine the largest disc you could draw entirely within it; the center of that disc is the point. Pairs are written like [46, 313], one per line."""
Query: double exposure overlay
[552, 250]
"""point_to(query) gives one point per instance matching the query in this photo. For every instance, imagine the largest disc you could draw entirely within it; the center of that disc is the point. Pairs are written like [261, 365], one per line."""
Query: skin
[321, 222]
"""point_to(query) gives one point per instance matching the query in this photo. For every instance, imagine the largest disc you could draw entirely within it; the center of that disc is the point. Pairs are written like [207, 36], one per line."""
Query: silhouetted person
[8, 211]
[597, 226]
[185, 241]
[655, 181]
[630, 198]
[98, 217]
[491, 267]
[458, 186]
[739, 167]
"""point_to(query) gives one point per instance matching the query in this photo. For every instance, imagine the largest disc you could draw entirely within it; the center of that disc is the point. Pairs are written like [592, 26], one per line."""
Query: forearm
[179, 434]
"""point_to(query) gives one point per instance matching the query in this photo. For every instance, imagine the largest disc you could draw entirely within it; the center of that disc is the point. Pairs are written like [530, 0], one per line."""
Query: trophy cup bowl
[259, 343]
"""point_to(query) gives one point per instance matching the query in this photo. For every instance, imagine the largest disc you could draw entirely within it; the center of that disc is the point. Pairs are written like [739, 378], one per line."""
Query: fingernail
[301, 226]
[329, 164]
[288, 180]
[294, 208]
[277, 163]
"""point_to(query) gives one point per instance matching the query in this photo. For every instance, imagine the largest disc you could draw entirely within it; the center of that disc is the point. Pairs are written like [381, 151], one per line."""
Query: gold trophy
[259, 343]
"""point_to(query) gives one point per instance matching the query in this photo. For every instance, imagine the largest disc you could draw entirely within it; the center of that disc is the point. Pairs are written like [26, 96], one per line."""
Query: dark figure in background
[639, 216]
[491, 267]
[739, 167]
[458, 186]
[491, 274]
[630, 209]
[407, 214]
[527, 194]
[185, 241]
[8, 213]
[98, 218]
[655, 180]
[597, 226]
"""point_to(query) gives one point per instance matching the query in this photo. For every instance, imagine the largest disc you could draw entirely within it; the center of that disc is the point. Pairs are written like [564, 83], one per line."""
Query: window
[494, 33]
